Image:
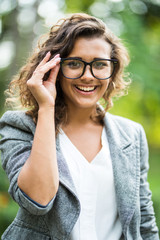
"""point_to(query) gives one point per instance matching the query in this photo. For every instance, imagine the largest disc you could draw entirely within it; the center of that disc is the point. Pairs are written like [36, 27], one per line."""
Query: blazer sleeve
[148, 228]
[17, 131]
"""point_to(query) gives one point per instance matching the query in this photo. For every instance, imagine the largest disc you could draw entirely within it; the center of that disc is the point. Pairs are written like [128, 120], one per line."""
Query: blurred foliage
[137, 22]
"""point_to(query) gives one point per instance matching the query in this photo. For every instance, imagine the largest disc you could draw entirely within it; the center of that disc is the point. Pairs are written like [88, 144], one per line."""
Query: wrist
[46, 109]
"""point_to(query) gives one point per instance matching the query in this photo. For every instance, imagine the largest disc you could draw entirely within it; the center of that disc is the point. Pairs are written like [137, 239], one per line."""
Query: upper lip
[82, 85]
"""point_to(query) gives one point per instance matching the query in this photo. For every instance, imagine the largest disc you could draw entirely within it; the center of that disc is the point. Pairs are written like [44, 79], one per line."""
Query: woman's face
[86, 91]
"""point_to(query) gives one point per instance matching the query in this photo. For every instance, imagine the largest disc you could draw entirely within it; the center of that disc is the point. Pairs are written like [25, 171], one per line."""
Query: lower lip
[85, 93]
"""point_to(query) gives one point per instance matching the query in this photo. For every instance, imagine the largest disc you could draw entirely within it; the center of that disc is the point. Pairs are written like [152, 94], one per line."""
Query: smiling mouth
[86, 89]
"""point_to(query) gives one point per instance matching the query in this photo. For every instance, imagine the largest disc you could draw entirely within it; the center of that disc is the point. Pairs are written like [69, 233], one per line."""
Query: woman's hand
[45, 91]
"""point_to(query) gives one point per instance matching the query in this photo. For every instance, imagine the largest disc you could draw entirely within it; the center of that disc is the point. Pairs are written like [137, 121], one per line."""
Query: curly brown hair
[61, 39]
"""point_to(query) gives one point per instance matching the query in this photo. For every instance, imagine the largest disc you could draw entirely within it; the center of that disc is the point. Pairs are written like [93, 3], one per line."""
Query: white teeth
[86, 89]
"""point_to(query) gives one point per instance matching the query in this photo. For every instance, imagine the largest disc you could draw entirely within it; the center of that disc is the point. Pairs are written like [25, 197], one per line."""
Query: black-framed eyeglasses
[100, 68]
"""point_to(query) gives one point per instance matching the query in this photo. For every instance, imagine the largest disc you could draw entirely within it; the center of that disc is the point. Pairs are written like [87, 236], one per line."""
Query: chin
[86, 105]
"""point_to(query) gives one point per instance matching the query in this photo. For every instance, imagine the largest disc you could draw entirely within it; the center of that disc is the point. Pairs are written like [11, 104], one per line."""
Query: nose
[87, 74]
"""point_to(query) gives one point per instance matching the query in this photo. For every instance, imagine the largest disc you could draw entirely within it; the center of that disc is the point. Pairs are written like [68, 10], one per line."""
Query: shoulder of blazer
[19, 120]
[122, 126]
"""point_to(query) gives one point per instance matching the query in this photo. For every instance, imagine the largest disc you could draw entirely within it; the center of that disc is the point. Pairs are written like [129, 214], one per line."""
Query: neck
[80, 116]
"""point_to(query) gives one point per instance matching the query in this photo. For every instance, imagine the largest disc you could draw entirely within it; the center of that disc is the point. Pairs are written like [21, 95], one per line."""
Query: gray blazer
[129, 153]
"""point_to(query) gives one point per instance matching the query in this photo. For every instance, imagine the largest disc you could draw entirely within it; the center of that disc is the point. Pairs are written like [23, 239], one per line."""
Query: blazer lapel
[124, 153]
[64, 173]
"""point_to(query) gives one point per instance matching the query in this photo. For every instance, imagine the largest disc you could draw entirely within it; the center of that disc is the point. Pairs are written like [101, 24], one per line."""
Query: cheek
[106, 85]
[105, 88]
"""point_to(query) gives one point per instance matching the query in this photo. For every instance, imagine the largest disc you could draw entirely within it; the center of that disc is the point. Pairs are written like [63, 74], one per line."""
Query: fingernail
[57, 55]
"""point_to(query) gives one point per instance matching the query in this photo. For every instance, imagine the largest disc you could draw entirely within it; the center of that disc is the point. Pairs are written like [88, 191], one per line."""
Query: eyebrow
[76, 58]
[80, 58]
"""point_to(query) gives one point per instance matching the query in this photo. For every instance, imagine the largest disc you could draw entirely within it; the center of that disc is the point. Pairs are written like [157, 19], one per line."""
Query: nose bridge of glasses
[87, 68]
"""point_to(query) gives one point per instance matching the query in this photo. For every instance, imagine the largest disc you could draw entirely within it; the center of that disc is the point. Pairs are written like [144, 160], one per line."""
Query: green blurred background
[137, 22]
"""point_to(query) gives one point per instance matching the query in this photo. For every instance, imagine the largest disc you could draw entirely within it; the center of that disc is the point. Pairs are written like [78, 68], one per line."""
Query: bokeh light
[7, 52]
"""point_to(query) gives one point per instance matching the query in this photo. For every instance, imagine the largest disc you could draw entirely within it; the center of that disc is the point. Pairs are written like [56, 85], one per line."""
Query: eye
[100, 64]
[74, 64]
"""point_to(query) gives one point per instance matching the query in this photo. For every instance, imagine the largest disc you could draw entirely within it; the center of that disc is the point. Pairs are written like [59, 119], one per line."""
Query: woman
[76, 172]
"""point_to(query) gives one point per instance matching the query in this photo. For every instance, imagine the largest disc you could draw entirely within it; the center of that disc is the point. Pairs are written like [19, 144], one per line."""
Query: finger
[53, 74]
[45, 59]
[51, 64]
[41, 70]
[55, 58]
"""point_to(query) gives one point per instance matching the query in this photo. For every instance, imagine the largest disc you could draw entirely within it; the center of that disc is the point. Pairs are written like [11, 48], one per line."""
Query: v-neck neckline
[79, 152]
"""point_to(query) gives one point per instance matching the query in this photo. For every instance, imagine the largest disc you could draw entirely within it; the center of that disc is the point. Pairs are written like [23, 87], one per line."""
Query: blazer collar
[115, 133]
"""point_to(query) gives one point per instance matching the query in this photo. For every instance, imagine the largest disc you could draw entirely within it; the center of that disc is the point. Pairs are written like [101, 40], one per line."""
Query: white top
[94, 183]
